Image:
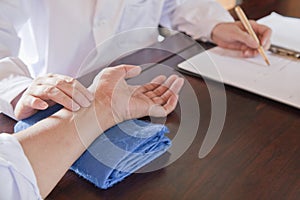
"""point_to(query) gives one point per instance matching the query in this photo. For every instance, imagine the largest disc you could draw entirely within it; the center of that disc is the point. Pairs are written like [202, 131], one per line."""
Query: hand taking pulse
[50, 89]
[234, 36]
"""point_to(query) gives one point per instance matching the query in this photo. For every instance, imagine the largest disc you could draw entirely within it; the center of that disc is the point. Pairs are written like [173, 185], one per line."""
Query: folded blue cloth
[118, 152]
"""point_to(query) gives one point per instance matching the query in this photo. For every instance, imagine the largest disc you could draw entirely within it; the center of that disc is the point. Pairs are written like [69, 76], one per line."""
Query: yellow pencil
[240, 13]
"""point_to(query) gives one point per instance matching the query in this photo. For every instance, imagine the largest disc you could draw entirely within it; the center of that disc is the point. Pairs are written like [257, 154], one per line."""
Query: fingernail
[263, 42]
[86, 103]
[246, 53]
[43, 105]
[75, 107]
[90, 96]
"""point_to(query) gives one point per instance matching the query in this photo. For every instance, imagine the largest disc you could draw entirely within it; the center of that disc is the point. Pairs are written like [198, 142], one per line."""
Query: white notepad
[280, 81]
[286, 30]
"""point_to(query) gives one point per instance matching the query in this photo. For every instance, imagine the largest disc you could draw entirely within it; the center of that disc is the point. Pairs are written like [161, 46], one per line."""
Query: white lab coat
[16, 174]
[42, 36]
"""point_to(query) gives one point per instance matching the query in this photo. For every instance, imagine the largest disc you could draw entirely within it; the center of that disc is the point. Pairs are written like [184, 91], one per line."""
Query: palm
[157, 98]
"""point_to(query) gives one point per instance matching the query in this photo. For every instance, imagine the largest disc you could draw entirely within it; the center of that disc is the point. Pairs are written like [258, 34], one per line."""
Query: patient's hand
[157, 98]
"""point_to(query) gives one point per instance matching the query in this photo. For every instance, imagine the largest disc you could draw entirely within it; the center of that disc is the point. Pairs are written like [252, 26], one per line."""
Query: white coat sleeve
[196, 18]
[14, 74]
[16, 174]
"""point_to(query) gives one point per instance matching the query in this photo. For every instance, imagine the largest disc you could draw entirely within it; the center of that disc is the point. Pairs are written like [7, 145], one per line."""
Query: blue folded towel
[118, 152]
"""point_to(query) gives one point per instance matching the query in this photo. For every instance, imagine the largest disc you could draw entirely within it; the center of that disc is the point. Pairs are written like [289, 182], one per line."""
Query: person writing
[34, 160]
[42, 37]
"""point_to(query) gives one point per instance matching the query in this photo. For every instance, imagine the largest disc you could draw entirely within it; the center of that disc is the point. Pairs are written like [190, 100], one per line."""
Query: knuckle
[49, 90]
[270, 31]
[59, 82]
[38, 79]
[25, 98]
[122, 66]
[107, 70]
[50, 75]
[34, 101]
[106, 73]
[70, 80]
[29, 90]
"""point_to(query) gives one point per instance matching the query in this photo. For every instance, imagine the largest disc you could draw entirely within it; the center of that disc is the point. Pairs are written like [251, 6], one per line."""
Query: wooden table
[256, 156]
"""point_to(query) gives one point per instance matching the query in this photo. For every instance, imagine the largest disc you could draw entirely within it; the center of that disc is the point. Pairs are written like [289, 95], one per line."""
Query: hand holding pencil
[240, 13]
[234, 36]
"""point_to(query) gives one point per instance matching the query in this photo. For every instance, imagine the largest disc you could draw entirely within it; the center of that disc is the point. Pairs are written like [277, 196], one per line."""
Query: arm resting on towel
[53, 144]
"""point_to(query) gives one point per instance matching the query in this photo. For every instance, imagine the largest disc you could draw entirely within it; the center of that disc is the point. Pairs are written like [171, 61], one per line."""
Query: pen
[240, 13]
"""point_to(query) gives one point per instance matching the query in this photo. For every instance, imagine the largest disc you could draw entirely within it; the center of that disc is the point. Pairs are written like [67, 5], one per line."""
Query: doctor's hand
[157, 98]
[234, 36]
[47, 90]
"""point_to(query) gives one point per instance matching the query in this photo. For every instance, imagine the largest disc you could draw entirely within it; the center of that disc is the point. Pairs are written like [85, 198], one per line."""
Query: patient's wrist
[92, 121]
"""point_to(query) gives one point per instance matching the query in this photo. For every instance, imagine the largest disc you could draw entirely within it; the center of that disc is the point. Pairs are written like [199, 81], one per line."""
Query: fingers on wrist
[56, 95]
[61, 89]
[69, 84]
[74, 90]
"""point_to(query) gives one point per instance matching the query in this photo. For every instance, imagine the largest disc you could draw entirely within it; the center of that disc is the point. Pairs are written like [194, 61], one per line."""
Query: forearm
[53, 144]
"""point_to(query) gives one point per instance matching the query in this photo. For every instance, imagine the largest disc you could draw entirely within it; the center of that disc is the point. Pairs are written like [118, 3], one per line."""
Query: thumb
[115, 74]
[27, 106]
[28, 101]
[38, 104]
[128, 71]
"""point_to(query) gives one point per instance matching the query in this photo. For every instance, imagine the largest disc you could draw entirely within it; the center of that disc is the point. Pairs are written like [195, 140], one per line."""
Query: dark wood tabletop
[257, 153]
